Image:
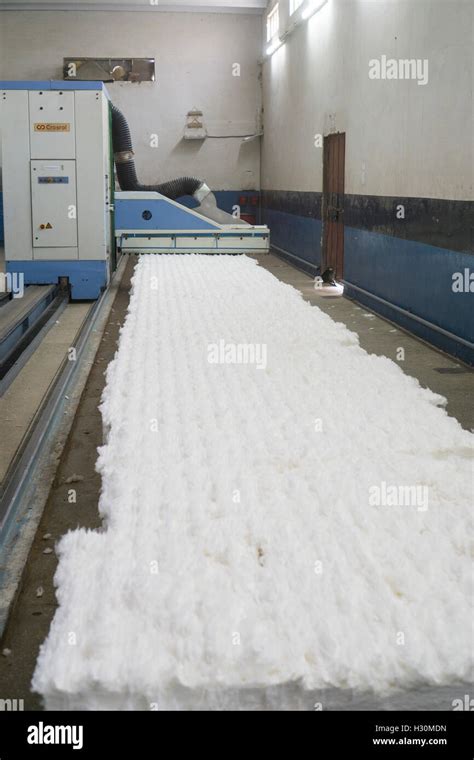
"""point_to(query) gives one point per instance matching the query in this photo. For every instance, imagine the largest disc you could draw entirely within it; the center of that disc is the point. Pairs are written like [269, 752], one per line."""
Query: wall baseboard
[292, 258]
[427, 331]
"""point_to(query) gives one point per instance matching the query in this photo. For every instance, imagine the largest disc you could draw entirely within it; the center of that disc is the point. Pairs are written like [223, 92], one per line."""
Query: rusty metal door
[333, 203]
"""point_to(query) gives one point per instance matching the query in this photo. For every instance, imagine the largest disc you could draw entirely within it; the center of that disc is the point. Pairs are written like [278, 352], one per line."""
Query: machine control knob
[147, 215]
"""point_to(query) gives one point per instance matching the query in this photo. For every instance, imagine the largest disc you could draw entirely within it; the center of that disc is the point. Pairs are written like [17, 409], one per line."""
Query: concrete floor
[433, 369]
[31, 616]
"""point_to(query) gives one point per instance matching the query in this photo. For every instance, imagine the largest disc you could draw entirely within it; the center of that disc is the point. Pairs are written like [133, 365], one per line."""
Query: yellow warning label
[53, 126]
[49, 226]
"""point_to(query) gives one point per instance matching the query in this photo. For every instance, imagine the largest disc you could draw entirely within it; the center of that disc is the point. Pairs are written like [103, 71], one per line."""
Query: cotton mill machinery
[63, 219]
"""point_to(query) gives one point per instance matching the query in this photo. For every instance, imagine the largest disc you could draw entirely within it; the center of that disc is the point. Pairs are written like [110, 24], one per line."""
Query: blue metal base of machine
[86, 278]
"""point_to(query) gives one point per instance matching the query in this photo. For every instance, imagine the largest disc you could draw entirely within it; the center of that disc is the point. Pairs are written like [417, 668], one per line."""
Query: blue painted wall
[408, 274]
[412, 275]
[296, 237]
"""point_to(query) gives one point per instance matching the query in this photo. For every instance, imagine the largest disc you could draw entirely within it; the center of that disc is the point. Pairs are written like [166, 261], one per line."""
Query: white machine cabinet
[57, 183]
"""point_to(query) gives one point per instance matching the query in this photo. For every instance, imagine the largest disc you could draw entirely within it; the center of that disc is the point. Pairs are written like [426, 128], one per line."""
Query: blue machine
[148, 222]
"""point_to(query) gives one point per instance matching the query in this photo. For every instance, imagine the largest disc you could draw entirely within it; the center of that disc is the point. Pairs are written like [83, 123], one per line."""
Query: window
[108, 69]
[294, 5]
[273, 23]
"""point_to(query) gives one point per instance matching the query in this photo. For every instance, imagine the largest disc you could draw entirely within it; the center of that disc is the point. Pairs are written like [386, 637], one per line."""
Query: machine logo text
[52, 127]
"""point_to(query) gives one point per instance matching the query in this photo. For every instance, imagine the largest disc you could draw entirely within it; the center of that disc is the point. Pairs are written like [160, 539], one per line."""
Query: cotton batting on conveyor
[241, 548]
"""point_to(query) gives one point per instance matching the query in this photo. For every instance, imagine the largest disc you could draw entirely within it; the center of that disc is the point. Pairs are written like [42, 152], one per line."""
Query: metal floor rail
[20, 322]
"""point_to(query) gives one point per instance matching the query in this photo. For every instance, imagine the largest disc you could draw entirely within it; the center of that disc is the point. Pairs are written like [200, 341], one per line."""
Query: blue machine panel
[156, 214]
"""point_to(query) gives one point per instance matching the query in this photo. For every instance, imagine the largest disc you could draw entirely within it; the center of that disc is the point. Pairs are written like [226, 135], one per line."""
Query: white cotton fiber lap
[240, 548]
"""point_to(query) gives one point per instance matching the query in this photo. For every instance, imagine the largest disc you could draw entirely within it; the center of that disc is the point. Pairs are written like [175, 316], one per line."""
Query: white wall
[401, 138]
[194, 54]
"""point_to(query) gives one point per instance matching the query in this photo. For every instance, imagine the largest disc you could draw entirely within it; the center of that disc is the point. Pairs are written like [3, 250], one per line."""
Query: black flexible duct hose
[125, 164]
